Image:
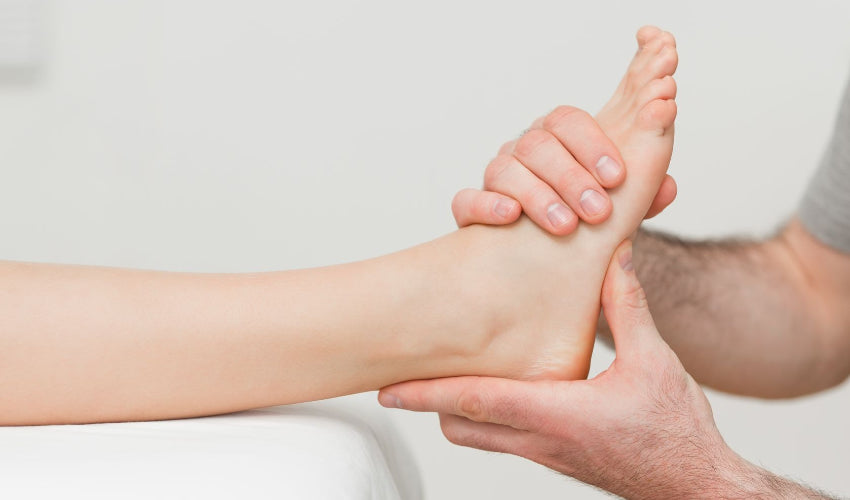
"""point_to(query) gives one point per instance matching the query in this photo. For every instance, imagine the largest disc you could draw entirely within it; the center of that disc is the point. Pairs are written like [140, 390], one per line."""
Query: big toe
[657, 115]
[647, 33]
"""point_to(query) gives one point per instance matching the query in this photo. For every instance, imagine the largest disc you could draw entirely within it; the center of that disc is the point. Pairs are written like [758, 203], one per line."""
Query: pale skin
[764, 318]
[84, 344]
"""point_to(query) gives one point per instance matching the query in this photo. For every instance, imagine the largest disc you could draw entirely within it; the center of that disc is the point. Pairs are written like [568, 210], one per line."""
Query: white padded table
[336, 449]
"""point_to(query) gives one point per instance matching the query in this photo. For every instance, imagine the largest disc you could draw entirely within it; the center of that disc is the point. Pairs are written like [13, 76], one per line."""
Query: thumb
[624, 304]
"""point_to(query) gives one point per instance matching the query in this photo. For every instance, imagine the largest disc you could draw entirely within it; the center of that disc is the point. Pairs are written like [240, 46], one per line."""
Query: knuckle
[537, 123]
[471, 406]
[572, 179]
[562, 115]
[507, 147]
[540, 195]
[496, 168]
[530, 142]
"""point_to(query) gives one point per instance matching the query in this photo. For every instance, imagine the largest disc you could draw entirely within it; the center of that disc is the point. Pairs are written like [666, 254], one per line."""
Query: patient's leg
[82, 344]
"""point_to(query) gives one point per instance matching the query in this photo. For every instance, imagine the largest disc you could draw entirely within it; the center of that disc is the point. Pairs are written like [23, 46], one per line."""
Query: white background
[261, 135]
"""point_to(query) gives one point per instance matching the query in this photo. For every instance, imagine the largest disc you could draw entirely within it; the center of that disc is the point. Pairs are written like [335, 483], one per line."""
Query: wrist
[747, 480]
[732, 477]
[738, 478]
[705, 474]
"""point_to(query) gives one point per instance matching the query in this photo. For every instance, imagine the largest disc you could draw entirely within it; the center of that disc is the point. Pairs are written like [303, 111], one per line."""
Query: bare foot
[543, 292]
[639, 119]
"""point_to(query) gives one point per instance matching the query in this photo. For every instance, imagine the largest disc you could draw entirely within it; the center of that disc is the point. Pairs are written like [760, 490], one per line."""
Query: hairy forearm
[742, 480]
[766, 485]
[742, 316]
[710, 476]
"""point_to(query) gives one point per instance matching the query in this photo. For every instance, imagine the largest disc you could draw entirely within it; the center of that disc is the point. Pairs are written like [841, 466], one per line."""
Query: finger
[544, 155]
[471, 206]
[513, 403]
[483, 435]
[537, 123]
[663, 198]
[625, 306]
[506, 175]
[585, 140]
[507, 148]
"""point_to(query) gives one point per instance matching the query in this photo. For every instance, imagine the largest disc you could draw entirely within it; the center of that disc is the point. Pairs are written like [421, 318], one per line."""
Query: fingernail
[558, 214]
[389, 401]
[607, 169]
[503, 208]
[592, 202]
[626, 260]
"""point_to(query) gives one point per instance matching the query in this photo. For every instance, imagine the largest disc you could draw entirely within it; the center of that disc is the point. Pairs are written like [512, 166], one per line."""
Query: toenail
[608, 169]
[558, 214]
[592, 202]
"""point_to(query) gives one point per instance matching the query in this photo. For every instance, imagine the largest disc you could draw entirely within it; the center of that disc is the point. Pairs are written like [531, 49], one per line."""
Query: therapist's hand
[641, 429]
[557, 172]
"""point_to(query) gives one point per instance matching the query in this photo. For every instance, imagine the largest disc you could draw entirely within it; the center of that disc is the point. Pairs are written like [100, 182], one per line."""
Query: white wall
[259, 135]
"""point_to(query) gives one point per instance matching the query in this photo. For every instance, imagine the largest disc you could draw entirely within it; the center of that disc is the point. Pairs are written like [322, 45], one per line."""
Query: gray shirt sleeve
[825, 209]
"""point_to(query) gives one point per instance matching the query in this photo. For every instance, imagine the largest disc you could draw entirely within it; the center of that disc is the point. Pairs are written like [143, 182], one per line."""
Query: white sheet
[336, 449]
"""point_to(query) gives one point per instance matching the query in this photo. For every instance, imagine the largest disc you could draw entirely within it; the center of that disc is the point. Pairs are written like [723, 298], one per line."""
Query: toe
[647, 33]
[668, 38]
[648, 77]
[661, 88]
[657, 115]
[665, 62]
[648, 48]
[655, 45]
[650, 36]
[656, 58]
